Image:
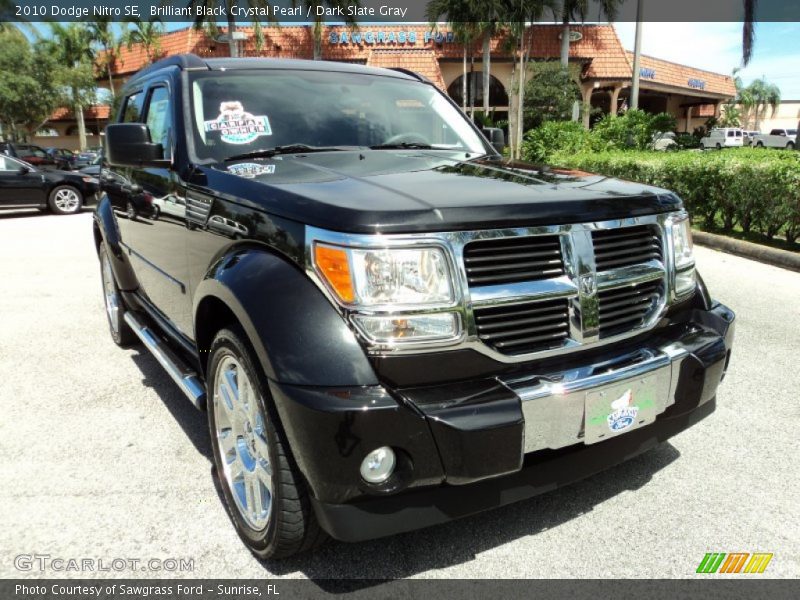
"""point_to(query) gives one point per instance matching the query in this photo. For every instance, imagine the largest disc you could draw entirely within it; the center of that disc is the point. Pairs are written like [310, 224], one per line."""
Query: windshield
[247, 111]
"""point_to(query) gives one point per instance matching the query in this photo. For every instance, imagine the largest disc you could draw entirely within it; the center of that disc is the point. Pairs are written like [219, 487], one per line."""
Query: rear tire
[719, 146]
[760, 145]
[120, 331]
[790, 146]
[265, 495]
[65, 200]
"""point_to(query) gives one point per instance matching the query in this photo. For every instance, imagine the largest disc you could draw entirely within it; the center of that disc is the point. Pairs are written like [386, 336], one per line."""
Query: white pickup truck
[777, 138]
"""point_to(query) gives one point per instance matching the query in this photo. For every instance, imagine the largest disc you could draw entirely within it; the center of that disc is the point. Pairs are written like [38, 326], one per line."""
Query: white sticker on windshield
[237, 126]
[251, 170]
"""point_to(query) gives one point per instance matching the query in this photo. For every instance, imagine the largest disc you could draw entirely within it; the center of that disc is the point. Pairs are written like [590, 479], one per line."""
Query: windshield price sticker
[236, 126]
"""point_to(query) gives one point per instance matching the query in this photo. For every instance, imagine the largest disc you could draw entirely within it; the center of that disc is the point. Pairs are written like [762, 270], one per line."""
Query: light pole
[637, 56]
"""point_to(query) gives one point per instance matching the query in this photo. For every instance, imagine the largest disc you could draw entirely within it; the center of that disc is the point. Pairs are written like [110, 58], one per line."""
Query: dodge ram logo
[588, 285]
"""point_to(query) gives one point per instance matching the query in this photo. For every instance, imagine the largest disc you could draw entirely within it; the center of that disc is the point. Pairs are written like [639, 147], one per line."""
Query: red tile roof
[422, 62]
[673, 74]
[99, 112]
[599, 49]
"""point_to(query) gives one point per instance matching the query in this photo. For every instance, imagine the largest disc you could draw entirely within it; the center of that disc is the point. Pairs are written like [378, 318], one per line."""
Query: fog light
[378, 465]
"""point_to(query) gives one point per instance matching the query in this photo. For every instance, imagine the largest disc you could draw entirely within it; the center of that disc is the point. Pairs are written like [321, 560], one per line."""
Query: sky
[718, 47]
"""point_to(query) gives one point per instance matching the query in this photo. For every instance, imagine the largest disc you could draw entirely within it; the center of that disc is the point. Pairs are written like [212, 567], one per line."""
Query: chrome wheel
[67, 200]
[110, 294]
[241, 432]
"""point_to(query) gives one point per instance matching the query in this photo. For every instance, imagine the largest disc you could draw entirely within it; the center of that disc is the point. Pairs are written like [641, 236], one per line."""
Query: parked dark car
[24, 186]
[389, 324]
[65, 159]
[33, 155]
[87, 157]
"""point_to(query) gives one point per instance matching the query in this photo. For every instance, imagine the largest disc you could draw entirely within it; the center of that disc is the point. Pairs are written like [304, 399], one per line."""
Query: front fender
[106, 226]
[296, 332]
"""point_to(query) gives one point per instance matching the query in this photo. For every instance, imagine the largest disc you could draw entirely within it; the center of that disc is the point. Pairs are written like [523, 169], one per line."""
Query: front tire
[65, 200]
[120, 331]
[265, 495]
[790, 146]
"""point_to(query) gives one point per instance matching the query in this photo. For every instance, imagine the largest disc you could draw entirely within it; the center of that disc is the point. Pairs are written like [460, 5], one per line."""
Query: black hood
[409, 191]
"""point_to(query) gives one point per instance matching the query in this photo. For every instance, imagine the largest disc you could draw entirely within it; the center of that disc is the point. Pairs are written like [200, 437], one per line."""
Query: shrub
[758, 190]
[541, 144]
[634, 129]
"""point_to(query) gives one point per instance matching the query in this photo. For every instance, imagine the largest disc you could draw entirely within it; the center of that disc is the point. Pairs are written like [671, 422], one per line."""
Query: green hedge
[754, 189]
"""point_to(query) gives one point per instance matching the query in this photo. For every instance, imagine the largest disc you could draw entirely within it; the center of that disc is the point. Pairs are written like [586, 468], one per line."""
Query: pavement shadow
[370, 563]
[339, 567]
[193, 422]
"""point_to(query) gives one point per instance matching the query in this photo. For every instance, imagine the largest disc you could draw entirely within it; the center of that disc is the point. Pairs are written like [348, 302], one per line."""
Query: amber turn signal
[333, 265]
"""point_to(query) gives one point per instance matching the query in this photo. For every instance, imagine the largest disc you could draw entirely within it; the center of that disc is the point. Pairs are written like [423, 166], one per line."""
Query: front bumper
[508, 439]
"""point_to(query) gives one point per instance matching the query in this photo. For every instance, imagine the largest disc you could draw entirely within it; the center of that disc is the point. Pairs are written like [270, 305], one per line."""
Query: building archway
[497, 93]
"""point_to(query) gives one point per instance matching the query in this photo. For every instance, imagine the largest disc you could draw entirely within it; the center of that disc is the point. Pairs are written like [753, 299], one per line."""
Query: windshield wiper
[288, 149]
[402, 145]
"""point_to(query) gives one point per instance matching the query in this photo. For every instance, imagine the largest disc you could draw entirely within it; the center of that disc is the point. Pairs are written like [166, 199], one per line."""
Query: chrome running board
[187, 380]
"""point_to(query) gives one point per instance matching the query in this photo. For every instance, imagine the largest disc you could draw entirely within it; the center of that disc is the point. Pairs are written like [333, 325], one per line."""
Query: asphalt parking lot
[102, 457]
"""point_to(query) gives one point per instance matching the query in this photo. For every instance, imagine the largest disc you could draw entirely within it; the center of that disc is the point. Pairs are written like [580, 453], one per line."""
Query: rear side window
[159, 118]
[133, 108]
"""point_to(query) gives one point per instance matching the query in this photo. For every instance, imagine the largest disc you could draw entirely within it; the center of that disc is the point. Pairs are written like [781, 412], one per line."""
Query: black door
[20, 186]
[152, 218]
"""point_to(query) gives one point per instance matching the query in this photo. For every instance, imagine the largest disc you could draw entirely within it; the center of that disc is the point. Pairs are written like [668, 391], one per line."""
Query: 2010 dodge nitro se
[390, 325]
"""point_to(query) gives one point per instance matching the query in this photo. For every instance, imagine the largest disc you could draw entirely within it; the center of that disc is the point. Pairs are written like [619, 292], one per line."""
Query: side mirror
[24, 170]
[496, 136]
[129, 145]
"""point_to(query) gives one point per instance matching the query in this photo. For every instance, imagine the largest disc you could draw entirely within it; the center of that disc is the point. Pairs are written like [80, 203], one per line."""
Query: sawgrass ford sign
[381, 38]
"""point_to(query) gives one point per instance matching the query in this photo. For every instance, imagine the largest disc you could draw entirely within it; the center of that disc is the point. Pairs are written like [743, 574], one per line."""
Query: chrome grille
[513, 259]
[622, 309]
[616, 248]
[523, 328]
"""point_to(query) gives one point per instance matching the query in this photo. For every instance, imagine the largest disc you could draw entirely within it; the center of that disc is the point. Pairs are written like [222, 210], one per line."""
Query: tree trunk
[512, 110]
[565, 42]
[464, 82]
[232, 43]
[472, 87]
[81, 123]
[111, 81]
[317, 40]
[487, 57]
[521, 96]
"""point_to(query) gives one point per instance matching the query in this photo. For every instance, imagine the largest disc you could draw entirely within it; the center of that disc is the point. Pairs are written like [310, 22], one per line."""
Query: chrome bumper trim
[553, 404]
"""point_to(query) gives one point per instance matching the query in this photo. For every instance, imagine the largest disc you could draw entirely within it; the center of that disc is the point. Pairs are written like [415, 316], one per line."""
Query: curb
[765, 254]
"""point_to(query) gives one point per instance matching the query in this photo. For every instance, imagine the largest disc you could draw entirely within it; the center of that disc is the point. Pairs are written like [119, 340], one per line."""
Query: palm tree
[71, 45]
[572, 10]
[102, 33]
[461, 23]
[488, 13]
[748, 30]
[148, 35]
[520, 16]
[199, 21]
[318, 21]
[759, 97]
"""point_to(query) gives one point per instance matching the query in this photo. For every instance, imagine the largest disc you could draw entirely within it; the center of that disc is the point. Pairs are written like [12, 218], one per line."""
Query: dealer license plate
[625, 406]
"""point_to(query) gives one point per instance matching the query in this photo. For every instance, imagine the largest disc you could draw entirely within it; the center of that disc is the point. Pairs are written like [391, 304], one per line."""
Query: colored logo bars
[735, 562]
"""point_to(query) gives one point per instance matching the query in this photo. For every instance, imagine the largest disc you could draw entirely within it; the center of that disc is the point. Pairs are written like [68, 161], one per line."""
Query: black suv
[389, 325]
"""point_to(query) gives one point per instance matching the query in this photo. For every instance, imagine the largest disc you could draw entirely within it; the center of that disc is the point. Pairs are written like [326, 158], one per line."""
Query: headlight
[385, 277]
[91, 180]
[400, 282]
[683, 256]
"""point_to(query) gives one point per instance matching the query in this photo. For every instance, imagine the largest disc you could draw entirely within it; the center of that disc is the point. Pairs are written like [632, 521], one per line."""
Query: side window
[731, 134]
[159, 118]
[133, 108]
